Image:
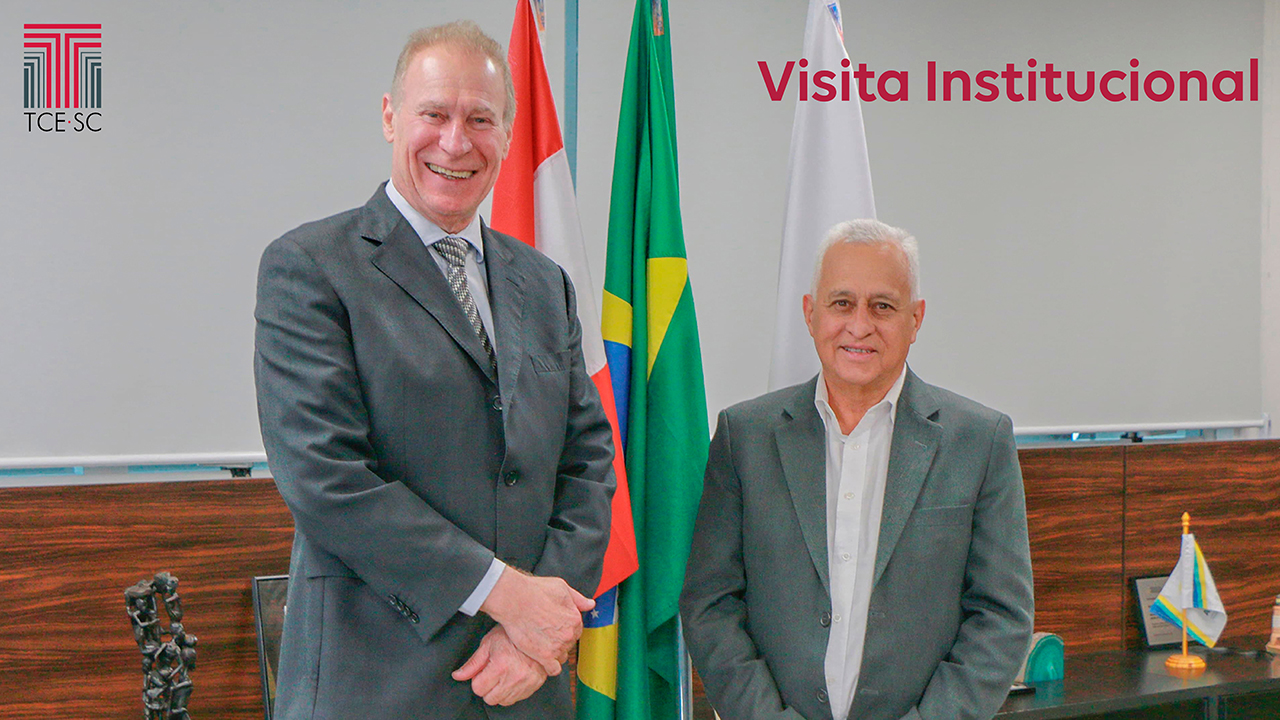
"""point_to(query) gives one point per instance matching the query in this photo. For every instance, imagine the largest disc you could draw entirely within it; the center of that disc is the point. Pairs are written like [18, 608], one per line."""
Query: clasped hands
[539, 619]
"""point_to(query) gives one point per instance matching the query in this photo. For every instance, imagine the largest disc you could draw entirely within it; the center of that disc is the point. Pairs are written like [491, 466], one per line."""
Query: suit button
[511, 478]
[822, 695]
[824, 619]
[496, 403]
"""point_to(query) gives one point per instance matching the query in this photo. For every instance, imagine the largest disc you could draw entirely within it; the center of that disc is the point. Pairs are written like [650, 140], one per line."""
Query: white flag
[828, 181]
[1190, 594]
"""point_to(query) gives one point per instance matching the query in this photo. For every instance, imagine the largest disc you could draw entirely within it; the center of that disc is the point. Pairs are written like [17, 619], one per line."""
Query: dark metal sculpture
[166, 664]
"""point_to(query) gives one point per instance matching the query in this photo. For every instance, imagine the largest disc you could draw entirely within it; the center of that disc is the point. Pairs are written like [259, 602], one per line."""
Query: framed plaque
[1157, 632]
[269, 593]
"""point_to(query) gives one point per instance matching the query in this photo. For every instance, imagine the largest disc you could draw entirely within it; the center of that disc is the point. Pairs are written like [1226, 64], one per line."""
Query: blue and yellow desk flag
[1190, 596]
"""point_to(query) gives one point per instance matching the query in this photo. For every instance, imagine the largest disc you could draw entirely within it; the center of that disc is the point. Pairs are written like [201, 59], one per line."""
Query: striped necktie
[454, 250]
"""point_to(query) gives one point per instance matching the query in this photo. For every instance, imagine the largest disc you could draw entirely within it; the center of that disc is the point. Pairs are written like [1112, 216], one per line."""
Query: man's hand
[542, 616]
[499, 673]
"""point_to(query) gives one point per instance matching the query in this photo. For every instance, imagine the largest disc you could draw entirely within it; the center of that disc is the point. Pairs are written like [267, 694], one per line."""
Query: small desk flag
[1190, 594]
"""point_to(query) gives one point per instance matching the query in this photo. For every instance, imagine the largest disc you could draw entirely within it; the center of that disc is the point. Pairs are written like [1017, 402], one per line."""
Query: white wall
[1074, 254]
[1271, 212]
[130, 255]
[1084, 263]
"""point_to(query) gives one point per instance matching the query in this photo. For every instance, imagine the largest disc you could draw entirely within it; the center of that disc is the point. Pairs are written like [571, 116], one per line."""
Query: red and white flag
[534, 201]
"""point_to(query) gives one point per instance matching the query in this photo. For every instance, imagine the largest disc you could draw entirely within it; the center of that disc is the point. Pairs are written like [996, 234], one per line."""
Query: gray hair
[465, 34]
[871, 232]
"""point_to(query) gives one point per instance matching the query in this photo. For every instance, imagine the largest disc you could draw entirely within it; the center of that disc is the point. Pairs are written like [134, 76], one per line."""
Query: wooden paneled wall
[1075, 518]
[1232, 491]
[66, 647]
[1098, 516]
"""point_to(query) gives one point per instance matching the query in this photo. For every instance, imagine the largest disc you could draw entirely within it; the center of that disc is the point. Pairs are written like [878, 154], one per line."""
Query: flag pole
[1185, 662]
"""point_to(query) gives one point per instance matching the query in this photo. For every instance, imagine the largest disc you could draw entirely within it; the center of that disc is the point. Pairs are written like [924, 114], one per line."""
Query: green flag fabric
[649, 327]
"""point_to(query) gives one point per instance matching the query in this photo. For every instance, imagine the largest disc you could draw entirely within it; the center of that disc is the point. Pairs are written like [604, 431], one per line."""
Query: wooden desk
[1135, 686]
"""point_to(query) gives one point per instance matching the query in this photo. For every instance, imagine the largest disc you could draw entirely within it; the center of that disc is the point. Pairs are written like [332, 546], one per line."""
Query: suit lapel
[802, 450]
[403, 258]
[915, 441]
[506, 300]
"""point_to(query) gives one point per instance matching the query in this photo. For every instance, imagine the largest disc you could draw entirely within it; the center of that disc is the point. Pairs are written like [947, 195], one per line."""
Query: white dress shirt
[429, 233]
[478, 285]
[857, 468]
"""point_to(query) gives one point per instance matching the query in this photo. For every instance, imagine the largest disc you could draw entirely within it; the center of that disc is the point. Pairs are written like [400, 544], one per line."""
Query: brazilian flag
[651, 339]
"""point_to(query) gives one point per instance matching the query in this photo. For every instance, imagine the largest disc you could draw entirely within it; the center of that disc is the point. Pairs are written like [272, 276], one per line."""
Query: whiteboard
[1082, 262]
[130, 255]
[1088, 263]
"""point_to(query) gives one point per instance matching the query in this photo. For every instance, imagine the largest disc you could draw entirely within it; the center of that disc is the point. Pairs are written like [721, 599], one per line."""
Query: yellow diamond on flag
[667, 278]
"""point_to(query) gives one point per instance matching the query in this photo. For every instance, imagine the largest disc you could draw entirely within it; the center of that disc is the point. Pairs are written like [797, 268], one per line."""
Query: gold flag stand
[1185, 663]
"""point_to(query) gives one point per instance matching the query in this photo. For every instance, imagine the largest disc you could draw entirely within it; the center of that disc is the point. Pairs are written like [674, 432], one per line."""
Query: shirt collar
[428, 231]
[823, 401]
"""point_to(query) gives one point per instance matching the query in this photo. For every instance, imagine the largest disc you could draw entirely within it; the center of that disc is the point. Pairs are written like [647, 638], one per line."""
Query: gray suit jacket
[951, 608]
[408, 466]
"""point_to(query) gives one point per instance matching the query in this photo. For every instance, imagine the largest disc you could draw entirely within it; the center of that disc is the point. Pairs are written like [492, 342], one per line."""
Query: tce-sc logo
[64, 122]
[62, 77]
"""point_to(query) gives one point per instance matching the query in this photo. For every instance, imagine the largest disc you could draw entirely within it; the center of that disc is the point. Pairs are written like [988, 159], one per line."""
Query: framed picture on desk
[269, 593]
[1158, 633]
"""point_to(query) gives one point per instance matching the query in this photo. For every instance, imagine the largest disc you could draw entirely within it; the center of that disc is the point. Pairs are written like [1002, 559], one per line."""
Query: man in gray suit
[861, 547]
[430, 424]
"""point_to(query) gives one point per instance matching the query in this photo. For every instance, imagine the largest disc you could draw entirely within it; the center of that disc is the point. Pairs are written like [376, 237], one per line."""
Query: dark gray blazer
[408, 466]
[951, 608]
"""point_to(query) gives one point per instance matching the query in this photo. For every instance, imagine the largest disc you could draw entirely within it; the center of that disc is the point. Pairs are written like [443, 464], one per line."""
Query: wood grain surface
[1232, 490]
[1075, 518]
[66, 646]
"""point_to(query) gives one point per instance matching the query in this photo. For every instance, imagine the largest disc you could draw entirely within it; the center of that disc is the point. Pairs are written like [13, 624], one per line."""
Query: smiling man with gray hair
[430, 424]
[861, 548]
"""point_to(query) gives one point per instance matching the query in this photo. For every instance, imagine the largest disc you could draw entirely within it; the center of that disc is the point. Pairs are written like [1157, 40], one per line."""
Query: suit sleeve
[997, 603]
[315, 428]
[578, 530]
[712, 605]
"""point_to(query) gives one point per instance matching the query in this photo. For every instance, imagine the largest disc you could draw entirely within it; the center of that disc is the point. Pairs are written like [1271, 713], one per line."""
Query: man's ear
[388, 114]
[807, 305]
[918, 316]
[510, 134]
